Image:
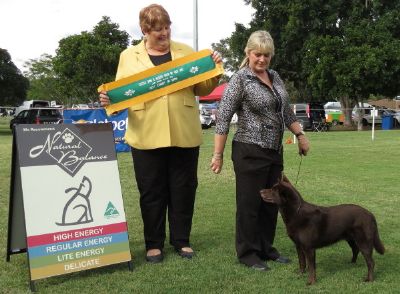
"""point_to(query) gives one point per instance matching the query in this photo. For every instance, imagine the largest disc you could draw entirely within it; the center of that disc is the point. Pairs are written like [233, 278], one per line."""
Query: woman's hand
[304, 145]
[216, 163]
[216, 57]
[104, 99]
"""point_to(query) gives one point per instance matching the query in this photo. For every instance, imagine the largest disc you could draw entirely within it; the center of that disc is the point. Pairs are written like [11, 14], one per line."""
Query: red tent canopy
[215, 95]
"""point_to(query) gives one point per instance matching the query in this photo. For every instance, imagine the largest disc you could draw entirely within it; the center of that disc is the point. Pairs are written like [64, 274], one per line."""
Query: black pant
[256, 168]
[167, 180]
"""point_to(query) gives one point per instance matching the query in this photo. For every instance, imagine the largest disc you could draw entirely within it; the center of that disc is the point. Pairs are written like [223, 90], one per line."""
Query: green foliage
[82, 63]
[85, 61]
[13, 85]
[44, 83]
[340, 49]
[232, 49]
[342, 167]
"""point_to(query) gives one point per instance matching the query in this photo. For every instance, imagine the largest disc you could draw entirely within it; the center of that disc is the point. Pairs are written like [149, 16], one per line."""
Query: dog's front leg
[310, 257]
[302, 259]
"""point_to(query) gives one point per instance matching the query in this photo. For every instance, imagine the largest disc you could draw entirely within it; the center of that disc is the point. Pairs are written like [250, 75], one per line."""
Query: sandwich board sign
[66, 207]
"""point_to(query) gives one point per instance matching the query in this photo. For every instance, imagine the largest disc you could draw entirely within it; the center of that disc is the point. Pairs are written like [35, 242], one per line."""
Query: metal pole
[373, 124]
[195, 26]
[294, 136]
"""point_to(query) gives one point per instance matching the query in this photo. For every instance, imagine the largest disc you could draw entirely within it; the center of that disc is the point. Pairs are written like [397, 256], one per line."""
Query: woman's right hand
[216, 163]
[104, 99]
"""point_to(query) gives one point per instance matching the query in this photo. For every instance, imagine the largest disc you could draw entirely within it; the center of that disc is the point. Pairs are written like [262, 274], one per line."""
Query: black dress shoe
[260, 267]
[282, 259]
[155, 258]
[185, 254]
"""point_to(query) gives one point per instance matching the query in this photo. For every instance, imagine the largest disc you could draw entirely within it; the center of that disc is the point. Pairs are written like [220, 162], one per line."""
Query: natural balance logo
[69, 151]
[111, 211]
[78, 210]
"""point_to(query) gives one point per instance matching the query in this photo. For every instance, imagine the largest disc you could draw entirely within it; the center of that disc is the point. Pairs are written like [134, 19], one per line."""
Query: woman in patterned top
[258, 96]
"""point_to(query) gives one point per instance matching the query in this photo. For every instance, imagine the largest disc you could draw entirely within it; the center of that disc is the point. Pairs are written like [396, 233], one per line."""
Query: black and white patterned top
[262, 112]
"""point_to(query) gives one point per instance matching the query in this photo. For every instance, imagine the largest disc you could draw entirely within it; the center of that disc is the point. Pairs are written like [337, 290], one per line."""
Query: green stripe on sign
[162, 79]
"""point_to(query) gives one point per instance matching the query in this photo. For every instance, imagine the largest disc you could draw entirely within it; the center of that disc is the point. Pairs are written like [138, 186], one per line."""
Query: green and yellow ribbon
[161, 80]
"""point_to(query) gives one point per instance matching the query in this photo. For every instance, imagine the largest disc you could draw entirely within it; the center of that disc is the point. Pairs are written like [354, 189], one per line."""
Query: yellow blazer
[171, 120]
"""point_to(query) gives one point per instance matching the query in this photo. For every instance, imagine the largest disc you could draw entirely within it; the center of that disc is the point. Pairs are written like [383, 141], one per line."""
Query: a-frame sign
[66, 208]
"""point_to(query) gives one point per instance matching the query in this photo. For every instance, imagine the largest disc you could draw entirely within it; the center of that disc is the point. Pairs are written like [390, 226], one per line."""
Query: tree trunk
[347, 108]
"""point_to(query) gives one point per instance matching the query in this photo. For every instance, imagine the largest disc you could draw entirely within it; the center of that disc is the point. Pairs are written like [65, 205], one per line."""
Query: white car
[395, 114]
[206, 121]
[80, 106]
[333, 106]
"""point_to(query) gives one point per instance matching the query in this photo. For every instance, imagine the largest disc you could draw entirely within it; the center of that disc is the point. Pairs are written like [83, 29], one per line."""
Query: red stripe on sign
[71, 235]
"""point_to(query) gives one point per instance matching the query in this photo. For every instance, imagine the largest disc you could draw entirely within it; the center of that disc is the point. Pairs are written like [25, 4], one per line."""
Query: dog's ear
[266, 195]
[271, 195]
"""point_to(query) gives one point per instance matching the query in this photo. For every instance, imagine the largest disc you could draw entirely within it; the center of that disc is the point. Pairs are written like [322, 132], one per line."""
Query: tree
[44, 83]
[85, 61]
[232, 49]
[13, 85]
[360, 61]
[340, 49]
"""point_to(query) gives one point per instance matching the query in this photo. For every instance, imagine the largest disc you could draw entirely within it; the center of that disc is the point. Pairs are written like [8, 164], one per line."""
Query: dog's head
[281, 193]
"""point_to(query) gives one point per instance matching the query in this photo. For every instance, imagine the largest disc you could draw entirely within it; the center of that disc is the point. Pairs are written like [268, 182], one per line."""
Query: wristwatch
[301, 133]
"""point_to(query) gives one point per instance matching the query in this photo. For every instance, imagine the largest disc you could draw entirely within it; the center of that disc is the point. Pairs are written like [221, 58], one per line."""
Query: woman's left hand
[304, 145]
[216, 165]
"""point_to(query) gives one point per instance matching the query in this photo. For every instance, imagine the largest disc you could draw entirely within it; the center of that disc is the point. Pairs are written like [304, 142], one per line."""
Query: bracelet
[218, 156]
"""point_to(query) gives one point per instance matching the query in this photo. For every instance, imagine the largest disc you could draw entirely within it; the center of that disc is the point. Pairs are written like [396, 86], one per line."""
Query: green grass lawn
[342, 167]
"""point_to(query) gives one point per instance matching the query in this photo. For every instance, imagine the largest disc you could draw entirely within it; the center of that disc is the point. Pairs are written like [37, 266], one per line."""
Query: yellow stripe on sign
[158, 91]
[79, 265]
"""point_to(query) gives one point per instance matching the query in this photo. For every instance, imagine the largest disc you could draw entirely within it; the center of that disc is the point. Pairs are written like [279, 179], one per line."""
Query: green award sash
[161, 80]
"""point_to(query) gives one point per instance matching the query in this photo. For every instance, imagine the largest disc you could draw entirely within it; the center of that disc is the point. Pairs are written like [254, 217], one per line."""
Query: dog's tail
[378, 245]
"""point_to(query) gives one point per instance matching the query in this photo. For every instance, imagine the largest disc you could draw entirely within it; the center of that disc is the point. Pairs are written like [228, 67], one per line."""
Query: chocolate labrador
[311, 227]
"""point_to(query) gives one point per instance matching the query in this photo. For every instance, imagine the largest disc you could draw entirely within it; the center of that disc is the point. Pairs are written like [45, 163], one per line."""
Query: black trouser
[167, 180]
[256, 168]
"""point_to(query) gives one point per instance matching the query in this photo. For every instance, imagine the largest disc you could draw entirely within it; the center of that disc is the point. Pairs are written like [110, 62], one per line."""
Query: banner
[72, 200]
[161, 80]
[93, 116]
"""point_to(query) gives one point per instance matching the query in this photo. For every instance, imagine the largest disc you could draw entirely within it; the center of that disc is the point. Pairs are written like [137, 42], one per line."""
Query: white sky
[30, 28]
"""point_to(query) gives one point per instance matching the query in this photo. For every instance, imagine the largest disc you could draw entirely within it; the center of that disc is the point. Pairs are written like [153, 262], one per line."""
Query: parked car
[37, 116]
[309, 114]
[333, 106]
[209, 109]
[333, 113]
[80, 106]
[204, 109]
[393, 113]
[32, 104]
[396, 116]
[366, 114]
[206, 121]
[209, 106]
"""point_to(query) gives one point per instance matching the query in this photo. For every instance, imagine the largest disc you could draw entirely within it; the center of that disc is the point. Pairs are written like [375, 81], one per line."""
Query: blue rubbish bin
[387, 122]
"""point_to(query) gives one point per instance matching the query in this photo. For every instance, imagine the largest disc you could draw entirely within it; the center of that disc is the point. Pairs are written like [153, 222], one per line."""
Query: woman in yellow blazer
[165, 135]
